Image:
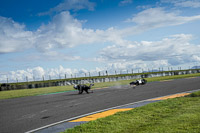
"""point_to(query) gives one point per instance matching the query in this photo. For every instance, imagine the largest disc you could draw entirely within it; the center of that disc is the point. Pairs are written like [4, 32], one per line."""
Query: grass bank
[46, 90]
[178, 115]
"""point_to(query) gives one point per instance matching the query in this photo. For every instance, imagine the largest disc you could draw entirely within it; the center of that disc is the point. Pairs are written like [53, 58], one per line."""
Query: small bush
[194, 94]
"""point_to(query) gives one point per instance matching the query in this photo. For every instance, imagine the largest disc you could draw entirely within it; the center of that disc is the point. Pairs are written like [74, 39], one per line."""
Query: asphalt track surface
[24, 114]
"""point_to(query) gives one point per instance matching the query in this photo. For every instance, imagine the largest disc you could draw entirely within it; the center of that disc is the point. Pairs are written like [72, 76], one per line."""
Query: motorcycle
[138, 82]
[82, 87]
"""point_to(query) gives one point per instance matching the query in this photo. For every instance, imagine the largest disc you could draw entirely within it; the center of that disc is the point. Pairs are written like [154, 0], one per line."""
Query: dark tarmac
[29, 113]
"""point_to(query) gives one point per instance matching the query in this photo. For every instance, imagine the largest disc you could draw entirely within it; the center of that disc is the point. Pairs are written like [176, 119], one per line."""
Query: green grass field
[178, 115]
[57, 89]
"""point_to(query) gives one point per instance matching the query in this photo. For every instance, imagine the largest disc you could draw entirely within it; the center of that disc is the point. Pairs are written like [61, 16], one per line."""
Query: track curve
[24, 114]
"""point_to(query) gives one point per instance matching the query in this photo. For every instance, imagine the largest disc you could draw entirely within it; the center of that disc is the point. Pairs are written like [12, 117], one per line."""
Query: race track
[24, 114]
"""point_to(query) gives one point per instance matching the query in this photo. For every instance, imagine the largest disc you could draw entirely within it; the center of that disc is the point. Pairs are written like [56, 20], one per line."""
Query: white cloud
[67, 5]
[49, 56]
[174, 50]
[155, 18]
[37, 73]
[145, 55]
[125, 2]
[13, 36]
[54, 55]
[196, 58]
[64, 31]
[183, 3]
[135, 66]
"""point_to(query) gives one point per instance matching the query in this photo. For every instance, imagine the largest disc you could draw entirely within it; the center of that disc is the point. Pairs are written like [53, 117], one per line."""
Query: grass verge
[167, 116]
[46, 90]
[33, 92]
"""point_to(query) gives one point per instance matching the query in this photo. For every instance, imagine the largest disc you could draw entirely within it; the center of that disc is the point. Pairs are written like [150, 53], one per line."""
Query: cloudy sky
[58, 37]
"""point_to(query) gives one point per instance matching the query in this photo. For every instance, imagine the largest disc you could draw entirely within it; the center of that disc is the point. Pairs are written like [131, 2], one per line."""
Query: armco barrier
[30, 85]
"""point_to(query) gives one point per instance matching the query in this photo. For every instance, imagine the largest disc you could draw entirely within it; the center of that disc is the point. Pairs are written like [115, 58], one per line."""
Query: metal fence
[11, 79]
[64, 82]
